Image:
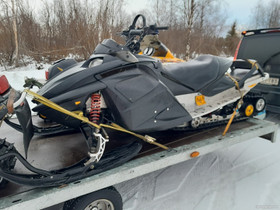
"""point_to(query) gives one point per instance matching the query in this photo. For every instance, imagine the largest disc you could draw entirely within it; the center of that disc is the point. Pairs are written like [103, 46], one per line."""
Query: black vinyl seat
[198, 73]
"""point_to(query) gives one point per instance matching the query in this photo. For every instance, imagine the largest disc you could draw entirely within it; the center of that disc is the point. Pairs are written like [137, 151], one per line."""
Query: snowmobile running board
[186, 147]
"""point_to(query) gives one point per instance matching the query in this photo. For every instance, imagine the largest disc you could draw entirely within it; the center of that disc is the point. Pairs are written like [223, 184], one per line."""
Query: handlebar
[134, 35]
[136, 19]
[152, 29]
[135, 32]
[162, 28]
[130, 35]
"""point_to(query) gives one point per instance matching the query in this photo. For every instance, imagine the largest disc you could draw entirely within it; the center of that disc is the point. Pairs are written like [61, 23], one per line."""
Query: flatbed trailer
[186, 145]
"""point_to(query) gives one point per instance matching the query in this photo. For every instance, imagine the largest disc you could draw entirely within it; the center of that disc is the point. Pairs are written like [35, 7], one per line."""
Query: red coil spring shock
[95, 108]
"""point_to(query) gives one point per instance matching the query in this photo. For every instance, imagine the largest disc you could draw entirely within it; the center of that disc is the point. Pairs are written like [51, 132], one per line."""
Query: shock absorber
[95, 108]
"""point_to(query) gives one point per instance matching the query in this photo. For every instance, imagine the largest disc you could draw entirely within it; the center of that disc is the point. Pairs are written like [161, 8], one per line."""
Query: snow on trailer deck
[151, 160]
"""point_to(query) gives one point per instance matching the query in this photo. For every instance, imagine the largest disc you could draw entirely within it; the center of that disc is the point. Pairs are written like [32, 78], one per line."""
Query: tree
[266, 15]
[231, 39]
[189, 11]
[14, 12]
[13, 7]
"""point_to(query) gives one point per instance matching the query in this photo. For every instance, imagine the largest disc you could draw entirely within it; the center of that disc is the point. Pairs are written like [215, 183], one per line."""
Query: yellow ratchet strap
[84, 119]
[254, 64]
[240, 102]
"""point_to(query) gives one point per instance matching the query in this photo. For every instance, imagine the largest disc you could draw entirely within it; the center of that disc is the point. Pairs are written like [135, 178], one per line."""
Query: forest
[74, 27]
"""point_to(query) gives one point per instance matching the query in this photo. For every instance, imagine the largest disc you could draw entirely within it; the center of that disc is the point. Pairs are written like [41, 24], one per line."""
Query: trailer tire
[98, 200]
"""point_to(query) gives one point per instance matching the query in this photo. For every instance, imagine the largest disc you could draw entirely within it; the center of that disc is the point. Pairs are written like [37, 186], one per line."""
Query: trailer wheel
[105, 199]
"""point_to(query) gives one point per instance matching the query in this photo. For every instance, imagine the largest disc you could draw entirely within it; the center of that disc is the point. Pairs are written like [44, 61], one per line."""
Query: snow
[17, 76]
[243, 176]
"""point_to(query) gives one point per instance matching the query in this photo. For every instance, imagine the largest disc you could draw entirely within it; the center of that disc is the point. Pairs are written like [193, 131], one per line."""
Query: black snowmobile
[116, 88]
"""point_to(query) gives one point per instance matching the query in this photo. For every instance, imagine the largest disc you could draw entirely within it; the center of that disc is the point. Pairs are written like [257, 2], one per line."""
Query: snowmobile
[119, 89]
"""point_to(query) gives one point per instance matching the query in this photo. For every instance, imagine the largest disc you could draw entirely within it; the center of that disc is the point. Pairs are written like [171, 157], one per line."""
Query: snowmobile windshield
[110, 47]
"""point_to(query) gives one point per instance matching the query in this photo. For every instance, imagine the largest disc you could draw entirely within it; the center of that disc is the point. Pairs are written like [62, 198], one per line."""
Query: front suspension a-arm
[43, 178]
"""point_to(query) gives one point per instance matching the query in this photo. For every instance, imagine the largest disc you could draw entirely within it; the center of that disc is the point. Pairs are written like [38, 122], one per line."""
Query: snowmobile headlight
[95, 62]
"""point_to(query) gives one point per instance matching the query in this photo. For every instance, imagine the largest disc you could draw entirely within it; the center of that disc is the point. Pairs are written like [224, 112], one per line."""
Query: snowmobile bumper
[43, 131]
[13, 102]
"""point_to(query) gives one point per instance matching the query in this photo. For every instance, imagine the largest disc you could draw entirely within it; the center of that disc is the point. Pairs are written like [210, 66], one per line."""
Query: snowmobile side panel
[73, 100]
[152, 107]
[75, 95]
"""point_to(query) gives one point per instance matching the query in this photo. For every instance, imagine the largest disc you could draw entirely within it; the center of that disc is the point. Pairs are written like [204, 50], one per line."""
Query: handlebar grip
[162, 28]
[135, 32]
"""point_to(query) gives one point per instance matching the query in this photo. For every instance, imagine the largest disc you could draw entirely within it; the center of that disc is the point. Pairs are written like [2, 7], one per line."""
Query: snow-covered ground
[16, 77]
[245, 176]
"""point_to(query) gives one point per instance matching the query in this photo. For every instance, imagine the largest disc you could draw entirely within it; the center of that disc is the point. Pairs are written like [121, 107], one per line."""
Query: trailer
[185, 146]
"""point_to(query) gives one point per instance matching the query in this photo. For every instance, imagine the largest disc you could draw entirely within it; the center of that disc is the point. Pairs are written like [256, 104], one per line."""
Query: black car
[263, 45]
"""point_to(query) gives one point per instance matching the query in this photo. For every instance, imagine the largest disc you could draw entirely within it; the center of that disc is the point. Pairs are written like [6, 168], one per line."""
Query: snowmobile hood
[77, 76]
[112, 55]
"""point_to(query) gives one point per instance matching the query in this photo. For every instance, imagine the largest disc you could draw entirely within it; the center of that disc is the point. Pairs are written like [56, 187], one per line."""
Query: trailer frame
[45, 197]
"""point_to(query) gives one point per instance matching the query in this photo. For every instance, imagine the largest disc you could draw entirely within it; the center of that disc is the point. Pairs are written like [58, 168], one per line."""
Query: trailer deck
[185, 146]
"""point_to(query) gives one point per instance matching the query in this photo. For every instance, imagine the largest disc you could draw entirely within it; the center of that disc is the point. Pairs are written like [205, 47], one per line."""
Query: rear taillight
[237, 49]
[47, 74]
[4, 84]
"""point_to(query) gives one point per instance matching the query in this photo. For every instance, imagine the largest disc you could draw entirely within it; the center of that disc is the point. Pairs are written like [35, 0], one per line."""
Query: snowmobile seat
[198, 73]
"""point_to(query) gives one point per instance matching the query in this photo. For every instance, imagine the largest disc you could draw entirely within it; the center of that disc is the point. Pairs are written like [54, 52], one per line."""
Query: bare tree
[266, 14]
[274, 14]
[14, 12]
[189, 12]
[13, 6]
[76, 26]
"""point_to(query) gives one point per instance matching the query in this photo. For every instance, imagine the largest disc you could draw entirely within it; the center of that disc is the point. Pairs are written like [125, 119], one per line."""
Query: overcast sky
[236, 10]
